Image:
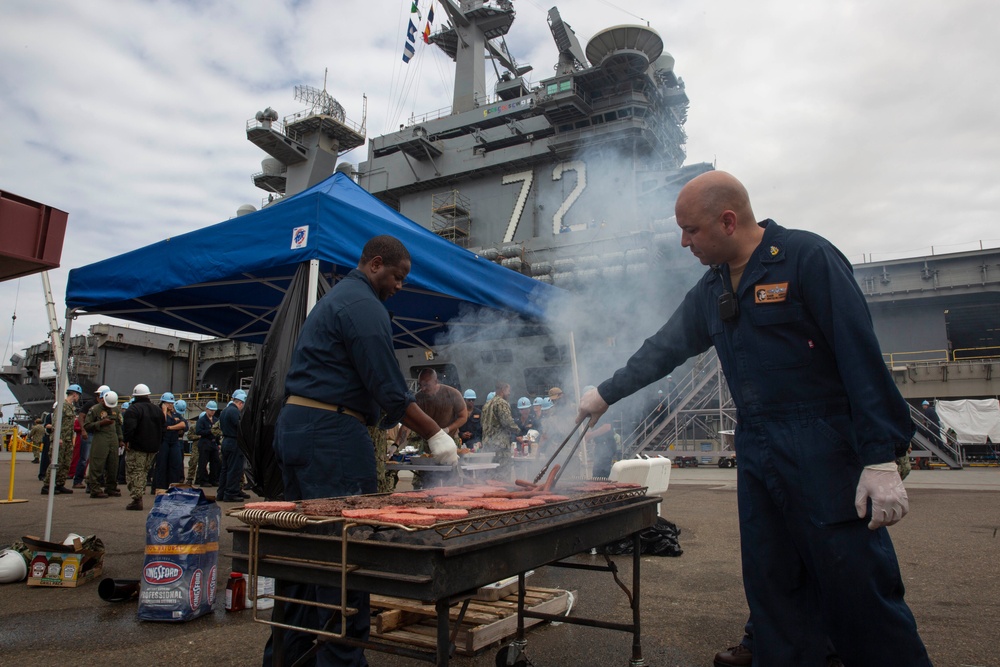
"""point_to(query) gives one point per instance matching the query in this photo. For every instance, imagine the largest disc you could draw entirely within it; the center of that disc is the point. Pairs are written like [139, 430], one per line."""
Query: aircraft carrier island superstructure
[567, 180]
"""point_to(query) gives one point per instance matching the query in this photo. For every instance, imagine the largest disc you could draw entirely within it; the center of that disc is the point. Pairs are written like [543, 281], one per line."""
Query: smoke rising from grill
[622, 289]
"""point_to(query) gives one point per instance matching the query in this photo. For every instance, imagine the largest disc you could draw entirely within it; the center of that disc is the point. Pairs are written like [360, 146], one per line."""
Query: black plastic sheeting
[658, 540]
[267, 395]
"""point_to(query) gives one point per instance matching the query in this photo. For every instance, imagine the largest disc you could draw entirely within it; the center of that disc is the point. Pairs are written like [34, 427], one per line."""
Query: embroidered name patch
[773, 293]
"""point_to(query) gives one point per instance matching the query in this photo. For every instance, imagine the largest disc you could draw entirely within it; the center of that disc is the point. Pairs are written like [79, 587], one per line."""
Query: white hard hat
[140, 390]
[110, 399]
[103, 388]
[12, 567]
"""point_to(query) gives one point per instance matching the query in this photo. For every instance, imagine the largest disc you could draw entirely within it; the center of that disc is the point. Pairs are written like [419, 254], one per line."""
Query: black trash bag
[658, 540]
[267, 395]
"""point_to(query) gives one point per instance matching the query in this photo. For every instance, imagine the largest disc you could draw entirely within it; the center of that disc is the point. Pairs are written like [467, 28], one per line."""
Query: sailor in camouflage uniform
[499, 430]
[35, 436]
[73, 393]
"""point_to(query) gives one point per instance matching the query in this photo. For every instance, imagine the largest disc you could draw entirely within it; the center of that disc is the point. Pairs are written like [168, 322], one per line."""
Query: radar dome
[271, 166]
[625, 50]
[346, 168]
[245, 210]
[664, 63]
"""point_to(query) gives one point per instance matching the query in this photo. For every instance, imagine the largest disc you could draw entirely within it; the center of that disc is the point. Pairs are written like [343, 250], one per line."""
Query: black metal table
[443, 564]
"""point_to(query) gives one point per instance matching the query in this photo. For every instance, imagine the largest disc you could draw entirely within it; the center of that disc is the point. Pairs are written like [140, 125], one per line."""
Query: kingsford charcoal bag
[182, 557]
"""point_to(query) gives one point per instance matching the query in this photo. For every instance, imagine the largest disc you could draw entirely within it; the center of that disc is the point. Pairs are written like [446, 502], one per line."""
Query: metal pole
[62, 382]
[313, 285]
[576, 390]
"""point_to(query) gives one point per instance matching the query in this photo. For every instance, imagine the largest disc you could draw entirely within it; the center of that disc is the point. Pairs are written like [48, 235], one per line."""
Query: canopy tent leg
[62, 382]
[576, 389]
[313, 285]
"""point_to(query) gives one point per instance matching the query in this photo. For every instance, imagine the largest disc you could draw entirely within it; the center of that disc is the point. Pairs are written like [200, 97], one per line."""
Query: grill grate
[471, 525]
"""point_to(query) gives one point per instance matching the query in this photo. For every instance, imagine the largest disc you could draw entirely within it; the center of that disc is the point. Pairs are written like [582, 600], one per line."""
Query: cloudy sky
[872, 123]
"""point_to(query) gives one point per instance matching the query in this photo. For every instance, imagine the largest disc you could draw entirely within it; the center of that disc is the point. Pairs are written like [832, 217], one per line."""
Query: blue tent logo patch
[300, 237]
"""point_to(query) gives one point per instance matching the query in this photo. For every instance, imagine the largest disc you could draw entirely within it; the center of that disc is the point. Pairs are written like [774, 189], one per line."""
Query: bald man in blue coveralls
[820, 423]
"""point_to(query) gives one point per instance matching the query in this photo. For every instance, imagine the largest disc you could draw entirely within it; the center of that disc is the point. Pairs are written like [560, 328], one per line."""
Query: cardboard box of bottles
[62, 565]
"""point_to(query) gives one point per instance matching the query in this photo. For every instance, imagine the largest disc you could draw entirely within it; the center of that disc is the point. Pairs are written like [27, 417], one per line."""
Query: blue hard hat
[539, 401]
[181, 406]
[925, 403]
[240, 395]
[523, 402]
[125, 405]
[211, 405]
[167, 397]
[547, 403]
[470, 395]
[489, 396]
[75, 387]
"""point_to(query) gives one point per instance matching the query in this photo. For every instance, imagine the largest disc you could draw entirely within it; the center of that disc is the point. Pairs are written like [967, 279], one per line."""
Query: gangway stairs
[699, 403]
[945, 446]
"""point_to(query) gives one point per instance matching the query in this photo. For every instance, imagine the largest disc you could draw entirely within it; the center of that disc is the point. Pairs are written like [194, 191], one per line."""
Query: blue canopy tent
[227, 280]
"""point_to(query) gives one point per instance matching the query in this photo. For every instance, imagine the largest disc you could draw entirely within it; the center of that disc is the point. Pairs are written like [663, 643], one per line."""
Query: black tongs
[572, 451]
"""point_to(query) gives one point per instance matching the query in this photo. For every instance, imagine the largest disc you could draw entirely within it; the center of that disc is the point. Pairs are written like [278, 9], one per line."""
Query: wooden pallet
[485, 622]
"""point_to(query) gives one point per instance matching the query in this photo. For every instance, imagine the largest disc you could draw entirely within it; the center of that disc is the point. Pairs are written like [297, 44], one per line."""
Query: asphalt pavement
[692, 605]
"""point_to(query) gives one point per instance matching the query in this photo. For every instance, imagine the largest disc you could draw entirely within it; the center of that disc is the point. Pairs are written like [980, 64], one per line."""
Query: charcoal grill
[442, 564]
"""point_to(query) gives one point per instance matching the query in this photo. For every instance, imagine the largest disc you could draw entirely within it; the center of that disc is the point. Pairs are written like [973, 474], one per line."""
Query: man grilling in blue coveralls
[343, 374]
[819, 425]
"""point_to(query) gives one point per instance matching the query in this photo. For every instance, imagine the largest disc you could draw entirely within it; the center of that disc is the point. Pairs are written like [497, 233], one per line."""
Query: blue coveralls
[344, 357]
[231, 470]
[170, 457]
[815, 404]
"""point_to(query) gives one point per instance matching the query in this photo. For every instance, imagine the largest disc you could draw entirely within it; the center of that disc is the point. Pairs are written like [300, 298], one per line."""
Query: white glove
[881, 483]
[443, 448]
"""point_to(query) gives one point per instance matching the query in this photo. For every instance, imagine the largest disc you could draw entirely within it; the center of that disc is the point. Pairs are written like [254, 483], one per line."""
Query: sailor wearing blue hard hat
[73, 393]
[471, 432]
[231, 477]
[170, 457]
[525, 417]
[208, 447]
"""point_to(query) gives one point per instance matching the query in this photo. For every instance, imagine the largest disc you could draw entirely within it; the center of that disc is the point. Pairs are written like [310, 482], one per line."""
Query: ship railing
[306, 113]
[481, 101]
[898, 360]
[276, 125]
[964, 353]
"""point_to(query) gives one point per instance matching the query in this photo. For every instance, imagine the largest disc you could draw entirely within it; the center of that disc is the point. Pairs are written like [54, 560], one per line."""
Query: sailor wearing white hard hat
[103, 423]
[143, 426]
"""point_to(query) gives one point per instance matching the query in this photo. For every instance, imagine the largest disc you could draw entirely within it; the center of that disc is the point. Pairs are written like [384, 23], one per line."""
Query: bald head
[714, 192]
[716, 220]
